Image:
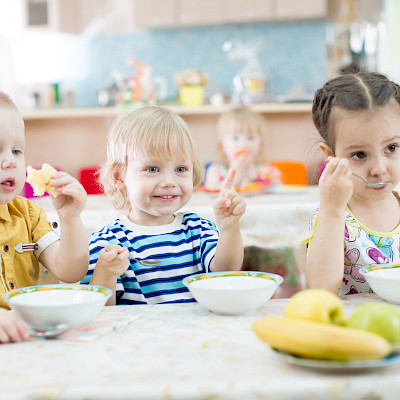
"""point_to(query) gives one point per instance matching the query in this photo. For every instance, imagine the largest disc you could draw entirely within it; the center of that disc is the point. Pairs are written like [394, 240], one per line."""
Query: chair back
[293, 172]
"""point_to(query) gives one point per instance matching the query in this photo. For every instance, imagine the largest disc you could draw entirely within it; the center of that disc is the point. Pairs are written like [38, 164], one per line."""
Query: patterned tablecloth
[181, 352]
[276, 219]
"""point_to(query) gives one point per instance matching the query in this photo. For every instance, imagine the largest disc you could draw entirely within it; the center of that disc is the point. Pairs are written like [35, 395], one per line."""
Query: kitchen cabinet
[248, 11]
[79, 16]
[193, 12]
[177, 13]
[54, 15]
[155, 13]
[302, 9]
[125, 16]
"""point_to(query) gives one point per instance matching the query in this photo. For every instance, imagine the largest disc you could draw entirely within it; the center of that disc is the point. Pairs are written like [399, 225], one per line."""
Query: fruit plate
[337, 365]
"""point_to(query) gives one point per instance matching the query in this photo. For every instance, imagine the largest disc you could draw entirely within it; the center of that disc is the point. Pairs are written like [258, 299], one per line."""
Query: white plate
[338, 365]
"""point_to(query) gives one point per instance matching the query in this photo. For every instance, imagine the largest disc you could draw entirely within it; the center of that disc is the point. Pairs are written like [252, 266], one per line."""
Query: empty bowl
[384, 280]
[45, 306]
[232, 293]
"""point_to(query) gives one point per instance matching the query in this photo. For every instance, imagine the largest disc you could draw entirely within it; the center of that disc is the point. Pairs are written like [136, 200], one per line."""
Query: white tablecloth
[278, 219]
[181, 352]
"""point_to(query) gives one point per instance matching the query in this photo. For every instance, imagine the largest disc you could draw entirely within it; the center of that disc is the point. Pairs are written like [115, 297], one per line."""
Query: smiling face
[12, 149]
[157, 187]
[371, 143]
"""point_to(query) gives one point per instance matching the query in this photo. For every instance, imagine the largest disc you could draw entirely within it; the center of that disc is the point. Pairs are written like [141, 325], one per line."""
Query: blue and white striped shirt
[184, 247]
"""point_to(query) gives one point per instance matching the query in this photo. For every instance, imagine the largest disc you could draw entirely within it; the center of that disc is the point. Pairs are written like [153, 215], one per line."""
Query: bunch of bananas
[313, 326]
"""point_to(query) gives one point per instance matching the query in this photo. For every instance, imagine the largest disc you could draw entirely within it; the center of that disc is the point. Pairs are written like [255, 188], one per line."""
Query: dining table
[183, 352]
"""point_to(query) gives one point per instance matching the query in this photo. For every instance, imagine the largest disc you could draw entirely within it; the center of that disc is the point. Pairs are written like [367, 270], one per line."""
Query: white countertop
[181, 352]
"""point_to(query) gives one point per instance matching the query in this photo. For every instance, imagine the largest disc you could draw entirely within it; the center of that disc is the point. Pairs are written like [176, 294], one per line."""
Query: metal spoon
[370, 184]
[147, 262]
[50, 332]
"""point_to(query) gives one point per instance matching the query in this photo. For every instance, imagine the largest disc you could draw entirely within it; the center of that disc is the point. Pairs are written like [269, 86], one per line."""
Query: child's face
[12, 159]
[243, 141]
[157, 187]
[371, 143]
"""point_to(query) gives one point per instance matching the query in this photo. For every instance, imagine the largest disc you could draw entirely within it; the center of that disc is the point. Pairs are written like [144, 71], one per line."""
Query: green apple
[318, 305]
[381, 318]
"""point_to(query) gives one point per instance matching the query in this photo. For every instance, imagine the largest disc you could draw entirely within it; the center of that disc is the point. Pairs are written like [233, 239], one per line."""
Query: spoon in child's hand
[147, 262]
[370, 184]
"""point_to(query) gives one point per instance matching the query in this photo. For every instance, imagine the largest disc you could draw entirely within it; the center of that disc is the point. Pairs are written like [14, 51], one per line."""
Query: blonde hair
[153, 130]
[6, 102]
[240, 119]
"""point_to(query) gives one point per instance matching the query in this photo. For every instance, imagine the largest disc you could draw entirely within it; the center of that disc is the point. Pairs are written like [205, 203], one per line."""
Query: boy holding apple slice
[27, 237]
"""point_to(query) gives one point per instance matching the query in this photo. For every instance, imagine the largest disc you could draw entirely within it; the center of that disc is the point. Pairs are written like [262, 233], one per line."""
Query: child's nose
[379, 167]
[168, 179]
[8, 162]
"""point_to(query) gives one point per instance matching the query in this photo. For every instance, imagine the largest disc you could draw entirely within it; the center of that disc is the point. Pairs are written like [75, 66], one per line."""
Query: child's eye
[391, 148]
[17, 152]
[152, 169]
[181, 169]
[359, 155]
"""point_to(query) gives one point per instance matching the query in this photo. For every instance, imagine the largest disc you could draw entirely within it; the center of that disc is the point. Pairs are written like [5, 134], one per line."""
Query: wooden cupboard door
[155, 13]
[200, 12]
[240, 11]
[300, 9]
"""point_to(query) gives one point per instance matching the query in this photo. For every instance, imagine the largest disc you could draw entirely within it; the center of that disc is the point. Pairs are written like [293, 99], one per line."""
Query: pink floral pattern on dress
[351, 267]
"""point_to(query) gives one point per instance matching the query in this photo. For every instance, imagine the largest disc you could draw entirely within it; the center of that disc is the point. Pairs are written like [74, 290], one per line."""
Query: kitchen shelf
[104, 112]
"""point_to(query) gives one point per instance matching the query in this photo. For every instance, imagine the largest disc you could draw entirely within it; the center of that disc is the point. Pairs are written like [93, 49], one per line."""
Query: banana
[320, 341]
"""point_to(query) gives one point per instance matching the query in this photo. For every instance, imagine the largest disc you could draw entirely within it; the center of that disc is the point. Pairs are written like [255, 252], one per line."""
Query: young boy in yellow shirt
[23, 222]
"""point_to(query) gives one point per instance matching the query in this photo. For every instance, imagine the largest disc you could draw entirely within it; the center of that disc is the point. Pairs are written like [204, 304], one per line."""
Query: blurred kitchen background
[67, 63]
[80, 49]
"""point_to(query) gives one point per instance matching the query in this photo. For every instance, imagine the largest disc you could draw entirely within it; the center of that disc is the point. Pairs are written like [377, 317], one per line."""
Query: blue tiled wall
[293, 55]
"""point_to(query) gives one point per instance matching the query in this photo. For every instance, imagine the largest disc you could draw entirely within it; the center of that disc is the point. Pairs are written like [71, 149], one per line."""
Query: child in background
[25, 222]
[240, 134]
[150, 173]
[358, 118]
[240, 139]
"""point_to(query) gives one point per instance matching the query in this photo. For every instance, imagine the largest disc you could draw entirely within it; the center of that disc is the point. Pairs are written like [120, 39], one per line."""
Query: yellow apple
[316, 305]
[381, 318]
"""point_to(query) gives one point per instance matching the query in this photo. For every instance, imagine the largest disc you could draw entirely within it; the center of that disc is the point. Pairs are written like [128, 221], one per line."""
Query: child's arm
[228, 208]
[113, 262]
[68, 258]
[12, 328]
[325, 260]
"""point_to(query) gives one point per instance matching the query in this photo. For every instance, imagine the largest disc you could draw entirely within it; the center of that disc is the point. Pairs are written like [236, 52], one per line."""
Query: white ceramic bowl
[232, 293]
[384, 280]
[45, 306]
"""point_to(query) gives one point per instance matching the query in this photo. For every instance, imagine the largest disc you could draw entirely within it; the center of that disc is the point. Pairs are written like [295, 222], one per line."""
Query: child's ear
[118, 181]
[326, 150]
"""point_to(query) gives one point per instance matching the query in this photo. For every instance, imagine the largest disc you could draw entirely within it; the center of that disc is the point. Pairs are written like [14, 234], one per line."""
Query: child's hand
[113, 261]
[229, 206]
[12, 328]
[335, 184]
[244, 165]
[72, 196]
